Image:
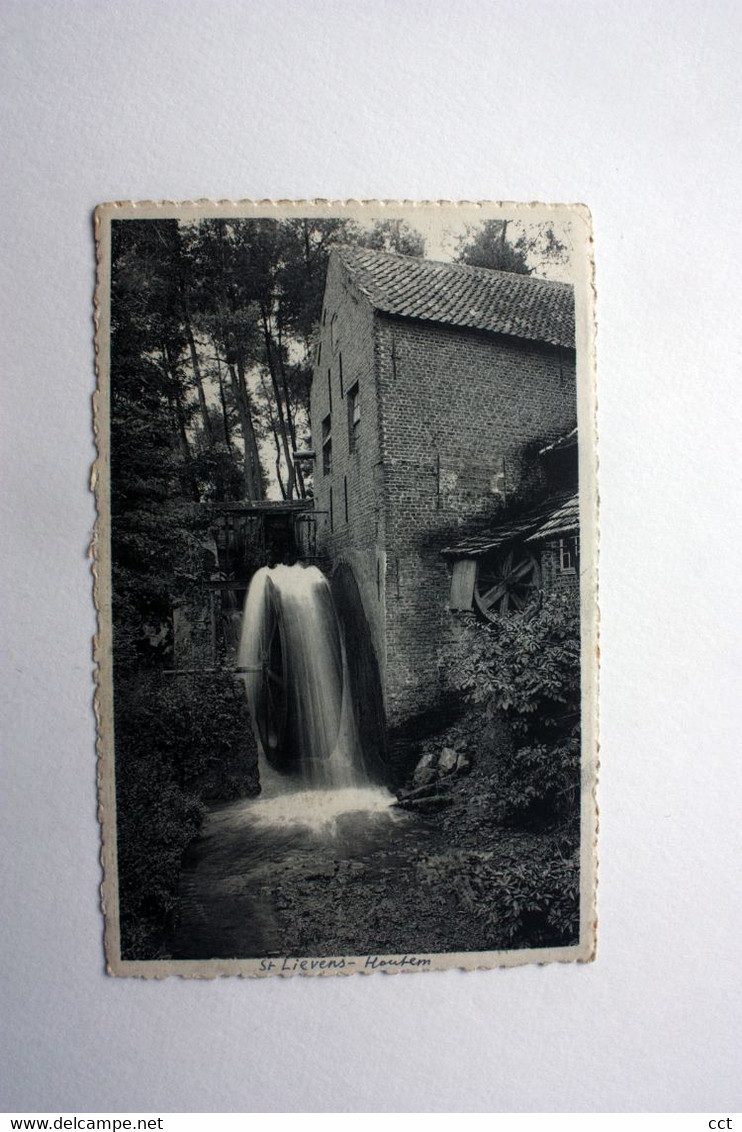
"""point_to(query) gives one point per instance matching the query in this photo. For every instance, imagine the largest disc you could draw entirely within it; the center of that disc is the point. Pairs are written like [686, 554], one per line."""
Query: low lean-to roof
[522, 306]
[565, 520]
[530, 526]
[569, 440]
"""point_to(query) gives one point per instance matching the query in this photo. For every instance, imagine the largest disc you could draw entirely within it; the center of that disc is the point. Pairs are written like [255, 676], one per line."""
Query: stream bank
[337, 875]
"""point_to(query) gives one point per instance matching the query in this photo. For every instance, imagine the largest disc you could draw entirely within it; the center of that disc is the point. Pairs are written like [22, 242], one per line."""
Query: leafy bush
[179, 742]
[525, 892]
[156, 822]
[526, 666]
[537, 902]
[540, 783]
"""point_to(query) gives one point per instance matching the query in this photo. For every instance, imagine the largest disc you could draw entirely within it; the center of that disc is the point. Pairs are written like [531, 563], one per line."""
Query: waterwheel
[508, 580]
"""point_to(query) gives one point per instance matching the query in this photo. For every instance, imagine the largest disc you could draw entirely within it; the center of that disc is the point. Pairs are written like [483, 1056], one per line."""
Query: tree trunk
[251, 441]
[253, 487]
[275, 440]
[175, 399]
[290, 417]
[208, 431]
[279, 404]
[222, 398]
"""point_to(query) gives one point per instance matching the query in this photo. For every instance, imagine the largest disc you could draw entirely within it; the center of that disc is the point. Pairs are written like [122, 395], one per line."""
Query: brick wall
[358, 540]
[554, 580]
[458, 408]
[445, 416]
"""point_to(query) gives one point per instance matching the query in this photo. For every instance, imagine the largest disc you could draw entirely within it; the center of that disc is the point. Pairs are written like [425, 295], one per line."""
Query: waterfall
[292, 656]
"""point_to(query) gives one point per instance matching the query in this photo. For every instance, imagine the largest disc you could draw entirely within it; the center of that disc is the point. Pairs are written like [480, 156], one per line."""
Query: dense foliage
[521, 674]
[178, 743]
[525, 665]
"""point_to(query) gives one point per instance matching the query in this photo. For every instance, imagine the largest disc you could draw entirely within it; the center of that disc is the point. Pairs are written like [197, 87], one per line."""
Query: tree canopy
[503, 245]
[212, 328]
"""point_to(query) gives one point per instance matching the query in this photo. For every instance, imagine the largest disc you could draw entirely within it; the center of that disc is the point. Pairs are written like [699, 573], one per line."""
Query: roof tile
[523, 306]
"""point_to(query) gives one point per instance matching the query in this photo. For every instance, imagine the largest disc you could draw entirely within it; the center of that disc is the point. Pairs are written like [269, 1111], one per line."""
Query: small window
[334, 333]
[319, 353]
[354, 418]
[327, 445]
[569, 554]
[345, 496]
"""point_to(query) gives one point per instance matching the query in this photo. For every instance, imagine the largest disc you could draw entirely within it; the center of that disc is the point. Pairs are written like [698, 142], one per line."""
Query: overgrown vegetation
[179, 743]
[521, 676]
[525, 668]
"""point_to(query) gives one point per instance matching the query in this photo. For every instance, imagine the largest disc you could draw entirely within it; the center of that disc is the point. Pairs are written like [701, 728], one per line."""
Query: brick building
[438, 392]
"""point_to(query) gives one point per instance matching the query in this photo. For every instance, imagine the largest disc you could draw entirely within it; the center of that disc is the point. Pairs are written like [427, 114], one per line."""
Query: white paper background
[630, 107]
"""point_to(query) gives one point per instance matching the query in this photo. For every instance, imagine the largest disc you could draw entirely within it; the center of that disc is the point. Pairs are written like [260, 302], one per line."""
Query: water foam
[320, 810]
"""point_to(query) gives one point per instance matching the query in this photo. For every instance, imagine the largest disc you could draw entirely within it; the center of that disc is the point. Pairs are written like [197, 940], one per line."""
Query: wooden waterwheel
[508, 580]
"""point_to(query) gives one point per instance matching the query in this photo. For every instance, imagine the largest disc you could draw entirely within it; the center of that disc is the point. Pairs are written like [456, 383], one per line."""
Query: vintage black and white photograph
[346, 583]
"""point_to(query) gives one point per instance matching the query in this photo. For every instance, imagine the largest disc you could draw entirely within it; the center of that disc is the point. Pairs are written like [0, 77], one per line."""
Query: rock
[425, 777]
[426, 771]
[447, 761]
[463, 764]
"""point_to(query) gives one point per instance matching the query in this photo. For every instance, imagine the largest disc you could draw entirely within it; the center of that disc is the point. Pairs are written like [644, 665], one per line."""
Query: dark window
[345, 496]
[334, 333]
[332, 517]
[354, 418]
[327, 445]
[319, 353]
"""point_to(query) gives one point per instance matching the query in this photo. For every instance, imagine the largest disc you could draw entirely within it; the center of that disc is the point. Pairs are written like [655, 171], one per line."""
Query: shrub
[539, 784]
[526, 666]
[179, 742]
[526, 893]
[537, 902]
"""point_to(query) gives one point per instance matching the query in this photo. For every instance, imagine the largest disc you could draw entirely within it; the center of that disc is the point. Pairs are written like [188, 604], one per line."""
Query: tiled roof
[534, 520]
[565, 520]
[523, 306]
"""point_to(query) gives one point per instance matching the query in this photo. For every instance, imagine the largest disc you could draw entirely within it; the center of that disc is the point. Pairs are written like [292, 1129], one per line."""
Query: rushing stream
[280, 873]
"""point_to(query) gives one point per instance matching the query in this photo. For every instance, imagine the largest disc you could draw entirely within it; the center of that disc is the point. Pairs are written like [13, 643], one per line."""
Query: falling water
[293, 660]
[251, 885]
